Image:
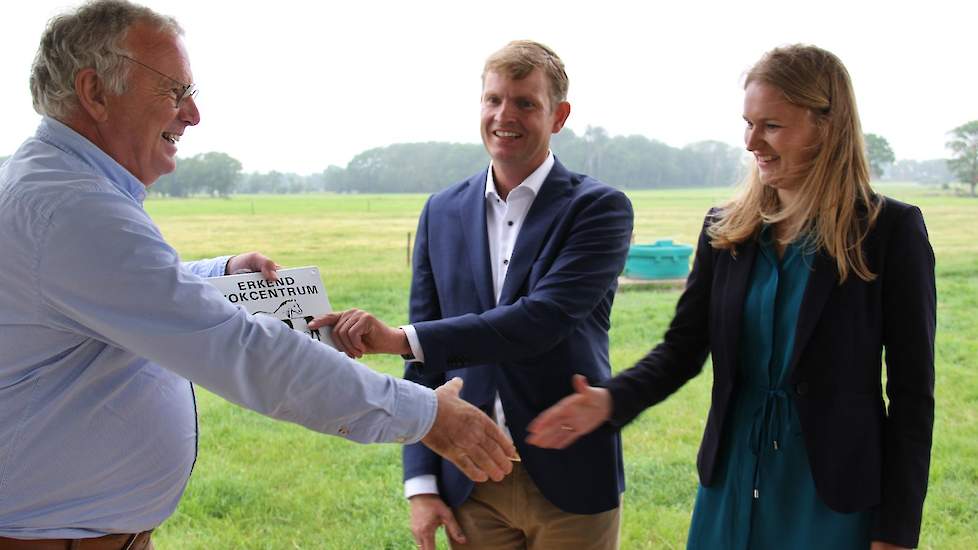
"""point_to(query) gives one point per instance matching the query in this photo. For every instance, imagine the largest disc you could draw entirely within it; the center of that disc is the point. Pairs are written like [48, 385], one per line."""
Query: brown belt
[138, 541]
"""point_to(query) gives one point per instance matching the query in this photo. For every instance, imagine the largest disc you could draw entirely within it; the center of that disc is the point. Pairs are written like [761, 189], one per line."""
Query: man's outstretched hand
[357, 332]
[469, 439]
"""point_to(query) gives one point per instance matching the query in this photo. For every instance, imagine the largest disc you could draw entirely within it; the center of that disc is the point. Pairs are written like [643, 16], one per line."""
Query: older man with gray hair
[102, 327]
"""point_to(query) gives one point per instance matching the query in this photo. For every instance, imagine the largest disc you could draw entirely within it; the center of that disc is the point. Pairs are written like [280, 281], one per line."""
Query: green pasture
[259, 483]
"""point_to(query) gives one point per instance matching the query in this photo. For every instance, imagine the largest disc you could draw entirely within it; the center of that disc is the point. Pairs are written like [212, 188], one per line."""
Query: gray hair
[89, 37]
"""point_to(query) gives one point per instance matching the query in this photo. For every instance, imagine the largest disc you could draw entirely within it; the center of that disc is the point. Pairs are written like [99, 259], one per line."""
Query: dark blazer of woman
[861, 454]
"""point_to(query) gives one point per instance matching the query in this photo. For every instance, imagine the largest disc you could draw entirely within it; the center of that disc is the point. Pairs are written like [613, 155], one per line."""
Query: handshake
[461, 433]
[468, 438]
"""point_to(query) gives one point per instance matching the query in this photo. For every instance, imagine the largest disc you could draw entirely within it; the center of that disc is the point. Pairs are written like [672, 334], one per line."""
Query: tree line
[627, 162]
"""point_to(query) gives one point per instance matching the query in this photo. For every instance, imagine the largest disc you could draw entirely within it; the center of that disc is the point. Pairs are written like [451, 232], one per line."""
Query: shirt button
[505, 262]
[344, 430]
[401, 439]
[509, 223]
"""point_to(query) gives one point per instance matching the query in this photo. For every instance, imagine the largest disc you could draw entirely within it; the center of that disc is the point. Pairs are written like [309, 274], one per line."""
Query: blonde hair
[836, 206]
[518, 59]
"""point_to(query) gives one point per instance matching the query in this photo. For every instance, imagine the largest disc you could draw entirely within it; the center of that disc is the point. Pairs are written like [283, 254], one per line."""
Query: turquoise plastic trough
[661, 260]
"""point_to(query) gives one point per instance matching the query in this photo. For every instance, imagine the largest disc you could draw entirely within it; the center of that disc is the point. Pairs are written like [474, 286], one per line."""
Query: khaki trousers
[512, 514]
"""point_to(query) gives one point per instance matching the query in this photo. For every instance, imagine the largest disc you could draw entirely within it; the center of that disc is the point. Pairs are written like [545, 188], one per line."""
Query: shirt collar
[59, 135]
[801, 247]
[533, 182]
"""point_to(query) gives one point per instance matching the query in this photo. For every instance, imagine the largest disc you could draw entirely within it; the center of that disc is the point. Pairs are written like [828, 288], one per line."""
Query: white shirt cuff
[412, 337]
[421, 485]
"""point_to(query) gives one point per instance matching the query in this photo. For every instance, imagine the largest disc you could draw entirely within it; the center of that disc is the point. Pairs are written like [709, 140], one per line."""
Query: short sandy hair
[91, 36]
[518, 59]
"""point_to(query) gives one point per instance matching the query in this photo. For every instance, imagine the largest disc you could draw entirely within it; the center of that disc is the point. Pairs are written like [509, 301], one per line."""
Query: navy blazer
[862, 456]
[551, 322]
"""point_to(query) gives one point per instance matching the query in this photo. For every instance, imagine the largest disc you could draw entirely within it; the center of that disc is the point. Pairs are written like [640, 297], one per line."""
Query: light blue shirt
[101, 327]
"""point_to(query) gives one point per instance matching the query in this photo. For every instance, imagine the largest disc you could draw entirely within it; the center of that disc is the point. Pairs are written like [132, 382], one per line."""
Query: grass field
[264, 484]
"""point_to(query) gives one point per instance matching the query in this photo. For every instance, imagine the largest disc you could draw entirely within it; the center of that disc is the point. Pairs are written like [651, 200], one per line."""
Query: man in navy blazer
[515, 271]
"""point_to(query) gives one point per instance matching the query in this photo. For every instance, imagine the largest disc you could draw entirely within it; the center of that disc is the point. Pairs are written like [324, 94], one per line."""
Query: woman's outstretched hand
[574, 416]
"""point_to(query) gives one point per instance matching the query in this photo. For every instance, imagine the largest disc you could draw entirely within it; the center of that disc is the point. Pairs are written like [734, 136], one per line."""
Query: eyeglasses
[181, 93]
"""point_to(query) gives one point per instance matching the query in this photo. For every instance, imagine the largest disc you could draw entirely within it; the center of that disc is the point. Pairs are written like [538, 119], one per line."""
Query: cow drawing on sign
[290, 312]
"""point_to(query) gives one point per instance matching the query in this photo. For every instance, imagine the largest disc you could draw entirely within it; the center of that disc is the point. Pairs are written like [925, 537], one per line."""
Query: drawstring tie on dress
[766, 428]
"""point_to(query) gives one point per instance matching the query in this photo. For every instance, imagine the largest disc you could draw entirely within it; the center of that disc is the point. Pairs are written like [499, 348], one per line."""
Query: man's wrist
[404, 348]
[425, 484]
[415, 354]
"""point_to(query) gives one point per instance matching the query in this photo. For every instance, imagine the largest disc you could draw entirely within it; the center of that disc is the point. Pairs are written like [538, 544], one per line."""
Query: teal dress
[763, 495]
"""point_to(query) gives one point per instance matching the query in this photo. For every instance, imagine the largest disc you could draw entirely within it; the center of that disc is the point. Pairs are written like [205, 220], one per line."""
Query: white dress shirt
[504, 219]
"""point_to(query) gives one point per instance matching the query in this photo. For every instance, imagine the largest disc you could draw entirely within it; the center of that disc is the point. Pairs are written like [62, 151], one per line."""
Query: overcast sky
[296, 86]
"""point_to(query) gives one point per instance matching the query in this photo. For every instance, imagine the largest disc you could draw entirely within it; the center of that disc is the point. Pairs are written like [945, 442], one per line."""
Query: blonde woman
[799, 285]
